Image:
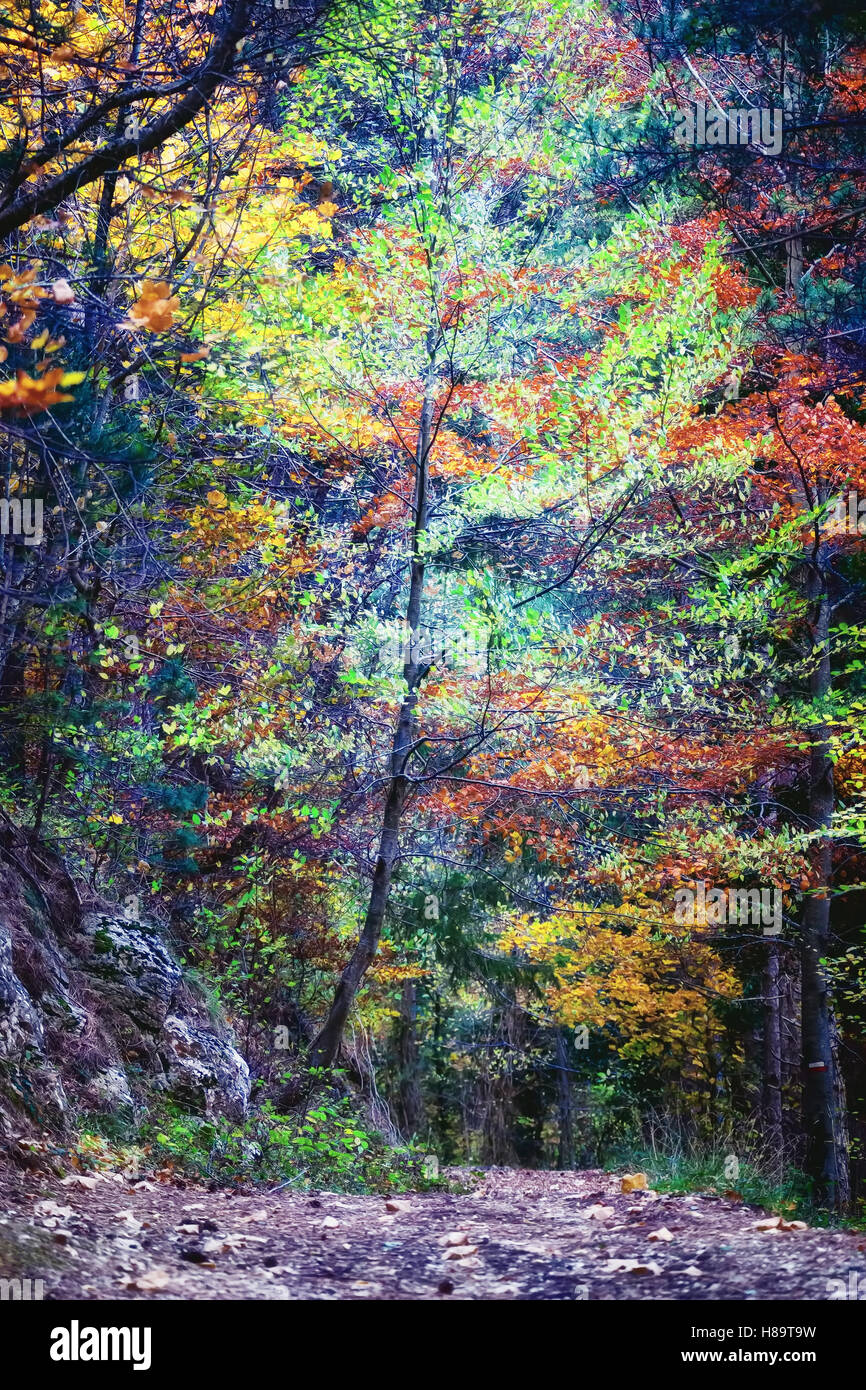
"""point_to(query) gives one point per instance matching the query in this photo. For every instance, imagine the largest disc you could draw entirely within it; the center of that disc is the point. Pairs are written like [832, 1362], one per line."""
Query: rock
[30, 1080]
[20, 1024]
[132, 966]
[109, 1090]
[204, 1070]
[94, 1010]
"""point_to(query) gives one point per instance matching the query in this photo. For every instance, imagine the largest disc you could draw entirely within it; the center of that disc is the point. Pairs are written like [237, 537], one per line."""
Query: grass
[737, 1165]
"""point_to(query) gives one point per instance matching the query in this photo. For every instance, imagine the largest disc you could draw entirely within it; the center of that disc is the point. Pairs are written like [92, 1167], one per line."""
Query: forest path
[516, 1235]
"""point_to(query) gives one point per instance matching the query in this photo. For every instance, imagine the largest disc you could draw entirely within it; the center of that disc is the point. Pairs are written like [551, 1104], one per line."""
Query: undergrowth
[329, 1146]
[738, 1167]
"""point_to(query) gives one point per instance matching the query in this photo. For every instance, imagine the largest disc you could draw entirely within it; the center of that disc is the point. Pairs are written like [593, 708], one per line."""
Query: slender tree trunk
[791, 1009]
[565, 1158]
[716, 1069]
[794, 260]
[410, 1108]
[771, 1099]
[823, 1102]
[794, 266]
[326, 1045]
[12, 683]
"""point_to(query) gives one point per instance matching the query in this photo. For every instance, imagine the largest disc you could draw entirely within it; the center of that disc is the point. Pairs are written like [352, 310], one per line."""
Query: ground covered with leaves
[509, 1234]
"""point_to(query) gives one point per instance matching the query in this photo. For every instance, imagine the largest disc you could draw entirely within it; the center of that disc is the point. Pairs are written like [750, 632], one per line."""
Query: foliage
[327, 1147]
[439, 566]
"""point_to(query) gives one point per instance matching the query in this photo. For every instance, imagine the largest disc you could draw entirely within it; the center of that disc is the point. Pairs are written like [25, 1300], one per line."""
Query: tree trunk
[410, 1109]
[794, 266]
[794, 260]
[771, 1098]
[565, 1158]
[823, 1103]
[791, 1008]
[326, 1045]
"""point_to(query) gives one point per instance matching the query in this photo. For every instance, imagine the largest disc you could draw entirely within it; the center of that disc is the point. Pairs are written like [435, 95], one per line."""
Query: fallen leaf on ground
[599, 1213]
[778, 1223]
[51, 1208]
[633, 1182]
[225, 1244]
[631, 1267]
[453, 1238]
[151, 1279]
[130, 1221]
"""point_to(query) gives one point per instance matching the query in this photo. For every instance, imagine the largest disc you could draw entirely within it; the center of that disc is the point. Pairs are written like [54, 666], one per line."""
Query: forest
[433, 639]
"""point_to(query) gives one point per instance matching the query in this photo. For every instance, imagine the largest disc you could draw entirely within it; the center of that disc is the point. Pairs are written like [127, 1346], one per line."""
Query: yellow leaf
[633, 1181]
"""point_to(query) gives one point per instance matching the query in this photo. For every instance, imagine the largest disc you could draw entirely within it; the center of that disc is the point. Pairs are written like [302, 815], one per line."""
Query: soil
[514, 1235]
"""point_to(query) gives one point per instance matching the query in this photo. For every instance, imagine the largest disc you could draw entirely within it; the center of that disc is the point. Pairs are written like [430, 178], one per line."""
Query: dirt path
[523, 1235]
